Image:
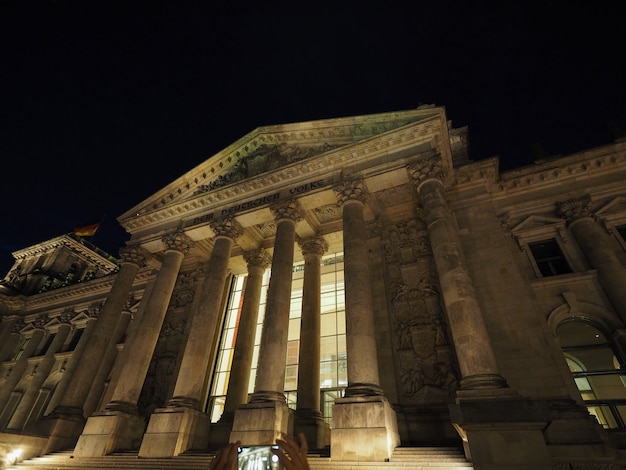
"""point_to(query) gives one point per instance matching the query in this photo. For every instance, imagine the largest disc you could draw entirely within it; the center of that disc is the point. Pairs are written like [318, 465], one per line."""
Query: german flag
[88, 229]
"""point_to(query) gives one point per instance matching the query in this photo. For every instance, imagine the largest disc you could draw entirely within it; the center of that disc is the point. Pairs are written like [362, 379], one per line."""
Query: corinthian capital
[425, 169]
[350, 190]
[288, 209]
[133, 254]
[259, 258]
[574, 209]
[313, 245]
[178, 241]
[226, 227]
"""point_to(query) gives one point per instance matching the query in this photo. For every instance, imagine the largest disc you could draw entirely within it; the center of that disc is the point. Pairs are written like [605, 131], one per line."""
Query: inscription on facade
[259, 201]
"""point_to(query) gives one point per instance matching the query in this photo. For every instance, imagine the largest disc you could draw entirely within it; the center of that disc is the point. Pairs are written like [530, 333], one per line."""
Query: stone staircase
[403, 458]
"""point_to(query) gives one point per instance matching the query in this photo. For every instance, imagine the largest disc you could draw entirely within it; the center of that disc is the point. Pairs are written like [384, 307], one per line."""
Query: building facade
[357, 279]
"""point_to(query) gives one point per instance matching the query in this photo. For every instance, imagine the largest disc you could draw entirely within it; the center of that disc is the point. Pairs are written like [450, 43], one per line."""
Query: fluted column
[78, 389]
[24, 409]
[127, 391]
[258, 261]
[363, 377]
[270, 376]
[596, 245]
[308, 414]
[471, 341]
[17, 371]
[190, 384]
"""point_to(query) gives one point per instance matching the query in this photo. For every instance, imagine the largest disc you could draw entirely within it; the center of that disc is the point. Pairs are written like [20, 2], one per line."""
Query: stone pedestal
[109, 432]
[315, 429]
[63, 430]
[262, 423]
[503, 433]
[172, 431]
[365, 429]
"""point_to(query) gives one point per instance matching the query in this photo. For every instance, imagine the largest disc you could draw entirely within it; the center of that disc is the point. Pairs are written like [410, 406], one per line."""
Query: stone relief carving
[420, 341]
[265, 158]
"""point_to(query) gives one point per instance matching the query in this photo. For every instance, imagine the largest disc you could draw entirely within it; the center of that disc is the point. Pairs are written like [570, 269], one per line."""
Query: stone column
[17, 371]
[40, 374]
[119, 425]
[182, 424]
[308, 415]
[596, 243]
[66, 421]
[486, 411]
[75, 359]
[266, 417]
[9, 337]
[258, 261]
[473, 347]
[365, 424]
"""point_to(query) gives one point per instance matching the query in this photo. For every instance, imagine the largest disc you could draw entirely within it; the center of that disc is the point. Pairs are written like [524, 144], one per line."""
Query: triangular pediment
[269, 148]
[616, 209]
[536, 222]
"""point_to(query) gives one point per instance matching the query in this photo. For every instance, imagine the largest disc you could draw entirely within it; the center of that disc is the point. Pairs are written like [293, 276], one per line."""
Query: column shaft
[363, 377]
[70, 366]
[270, 377]
[595, 244]
[190, 383]
[127, 391]
[21, 415]
[244, 347]
[471, 340]
[82, 379]
[308, 400]
[16, 373]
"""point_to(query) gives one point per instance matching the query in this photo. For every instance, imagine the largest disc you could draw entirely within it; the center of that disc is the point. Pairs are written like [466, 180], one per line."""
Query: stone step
[403, 458]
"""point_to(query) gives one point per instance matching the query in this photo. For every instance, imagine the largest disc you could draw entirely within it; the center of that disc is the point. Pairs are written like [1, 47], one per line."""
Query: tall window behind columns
[333, 356]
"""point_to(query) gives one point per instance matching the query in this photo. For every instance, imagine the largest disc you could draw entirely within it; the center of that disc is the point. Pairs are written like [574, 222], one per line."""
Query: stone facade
[483, 310]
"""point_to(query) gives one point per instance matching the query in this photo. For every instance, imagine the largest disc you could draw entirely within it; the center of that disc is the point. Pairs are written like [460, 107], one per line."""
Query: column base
[62, 427]
[108, 432]
[365, 429]
[219, 433]
[503, 433]
[261, 423]
[315, 429]
[173, 430]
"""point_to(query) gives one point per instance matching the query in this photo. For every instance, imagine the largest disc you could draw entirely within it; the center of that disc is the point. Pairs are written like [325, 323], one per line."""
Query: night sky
[103, 102]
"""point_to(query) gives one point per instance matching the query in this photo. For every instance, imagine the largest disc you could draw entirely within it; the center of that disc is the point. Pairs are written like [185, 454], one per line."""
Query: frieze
[257, 202]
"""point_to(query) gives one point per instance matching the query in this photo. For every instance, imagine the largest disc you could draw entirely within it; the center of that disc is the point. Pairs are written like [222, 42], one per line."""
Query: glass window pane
[294, 329]
[328, 324]
[328, 348]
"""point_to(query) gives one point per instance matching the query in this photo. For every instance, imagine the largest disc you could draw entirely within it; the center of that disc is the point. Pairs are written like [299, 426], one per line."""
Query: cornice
[595, 162]
[396, 140]
[74, 293]
[67, 241]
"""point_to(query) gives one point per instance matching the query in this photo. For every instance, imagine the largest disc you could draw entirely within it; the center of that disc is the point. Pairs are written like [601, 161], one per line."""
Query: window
[597, 371]
[333, 355]
[549, 258]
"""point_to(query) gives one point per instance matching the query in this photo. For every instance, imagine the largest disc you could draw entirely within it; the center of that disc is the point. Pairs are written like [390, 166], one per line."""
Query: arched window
[598, 371]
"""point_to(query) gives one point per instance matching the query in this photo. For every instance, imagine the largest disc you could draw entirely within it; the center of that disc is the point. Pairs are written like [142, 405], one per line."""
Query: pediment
[269, 148]
[616, 209]
[537, 223]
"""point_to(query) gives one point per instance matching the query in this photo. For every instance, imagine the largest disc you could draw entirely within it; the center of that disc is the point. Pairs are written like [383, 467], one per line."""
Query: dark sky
[104, 102]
